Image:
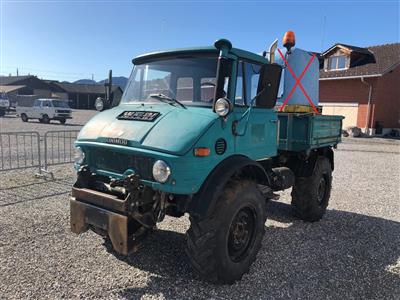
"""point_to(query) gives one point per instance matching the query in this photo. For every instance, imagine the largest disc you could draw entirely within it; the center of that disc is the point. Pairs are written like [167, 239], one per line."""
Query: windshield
[59, 103]
[190, 80]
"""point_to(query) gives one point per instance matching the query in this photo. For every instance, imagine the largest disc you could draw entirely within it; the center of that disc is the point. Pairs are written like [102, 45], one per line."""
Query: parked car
[46, 110]
[4, 104]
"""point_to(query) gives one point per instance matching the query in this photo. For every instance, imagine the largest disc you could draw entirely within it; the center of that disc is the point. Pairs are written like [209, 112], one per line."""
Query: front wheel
[45, 119]
[310, 195]
[24, 118]
[223, 245]
[62, 121]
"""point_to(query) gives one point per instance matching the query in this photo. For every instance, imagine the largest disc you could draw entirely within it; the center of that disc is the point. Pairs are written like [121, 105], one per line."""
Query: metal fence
[22, 150]
[59, 147]
[19, 150]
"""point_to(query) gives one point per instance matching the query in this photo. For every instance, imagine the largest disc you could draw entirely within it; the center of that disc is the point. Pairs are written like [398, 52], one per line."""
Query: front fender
[237, 165]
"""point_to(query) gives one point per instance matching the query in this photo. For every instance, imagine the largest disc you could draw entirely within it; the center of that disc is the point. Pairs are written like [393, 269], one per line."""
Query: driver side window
[252, 72]
[248, 75]
[239, 95]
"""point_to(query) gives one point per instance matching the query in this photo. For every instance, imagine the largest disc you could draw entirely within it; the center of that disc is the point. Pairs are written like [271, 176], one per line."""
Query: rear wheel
[222, 245]
[62, 121]
[45, 119]
[2, 113]
[24, 118]
[310, 195]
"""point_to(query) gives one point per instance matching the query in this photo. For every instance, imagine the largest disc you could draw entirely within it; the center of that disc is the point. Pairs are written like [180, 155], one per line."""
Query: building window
[337, 62]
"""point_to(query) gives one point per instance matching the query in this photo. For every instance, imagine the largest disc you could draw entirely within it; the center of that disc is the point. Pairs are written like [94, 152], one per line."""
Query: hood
[174, 129]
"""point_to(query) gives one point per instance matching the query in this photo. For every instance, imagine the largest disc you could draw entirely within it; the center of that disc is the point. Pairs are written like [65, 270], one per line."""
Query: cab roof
[211, 50]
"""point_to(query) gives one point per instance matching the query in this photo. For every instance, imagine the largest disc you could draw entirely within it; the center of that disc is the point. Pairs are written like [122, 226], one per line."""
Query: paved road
[354, 252]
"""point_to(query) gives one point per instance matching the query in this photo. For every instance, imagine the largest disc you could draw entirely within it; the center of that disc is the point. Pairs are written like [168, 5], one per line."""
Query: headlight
[161, 171]
[222, 107]
[79, 155]
[99, 104]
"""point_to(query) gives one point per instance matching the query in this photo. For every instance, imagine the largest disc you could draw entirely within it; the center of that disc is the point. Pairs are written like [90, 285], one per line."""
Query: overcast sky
[69, 40]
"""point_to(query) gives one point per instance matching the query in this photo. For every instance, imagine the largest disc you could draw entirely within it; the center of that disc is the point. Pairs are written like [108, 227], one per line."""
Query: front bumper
[85, 211]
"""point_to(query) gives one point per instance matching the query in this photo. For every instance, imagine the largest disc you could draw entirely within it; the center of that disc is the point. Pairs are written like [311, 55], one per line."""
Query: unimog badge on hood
[117, 141]
[139, 115]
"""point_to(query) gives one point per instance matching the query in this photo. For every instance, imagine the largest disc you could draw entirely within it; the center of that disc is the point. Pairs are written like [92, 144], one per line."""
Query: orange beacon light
[289, 40]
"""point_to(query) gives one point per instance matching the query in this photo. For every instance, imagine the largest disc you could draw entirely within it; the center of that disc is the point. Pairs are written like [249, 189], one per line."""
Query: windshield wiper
[166, 99]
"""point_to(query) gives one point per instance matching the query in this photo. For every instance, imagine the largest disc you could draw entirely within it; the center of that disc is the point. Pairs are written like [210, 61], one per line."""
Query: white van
[46, 110]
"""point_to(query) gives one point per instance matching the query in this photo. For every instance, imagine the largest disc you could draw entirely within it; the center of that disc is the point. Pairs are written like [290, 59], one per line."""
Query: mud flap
[116, 225]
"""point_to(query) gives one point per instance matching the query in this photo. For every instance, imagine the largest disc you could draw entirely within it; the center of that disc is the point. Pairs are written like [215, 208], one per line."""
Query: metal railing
[59, 147]
[20, 150]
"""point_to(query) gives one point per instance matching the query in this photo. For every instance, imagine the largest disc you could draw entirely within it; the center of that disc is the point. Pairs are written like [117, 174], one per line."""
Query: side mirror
[101, 104]
[268, 85]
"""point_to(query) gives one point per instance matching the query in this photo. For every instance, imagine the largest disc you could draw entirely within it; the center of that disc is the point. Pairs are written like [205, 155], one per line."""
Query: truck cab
[196, 132]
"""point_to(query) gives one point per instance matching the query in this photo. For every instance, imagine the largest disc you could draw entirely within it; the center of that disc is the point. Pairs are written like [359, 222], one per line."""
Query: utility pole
[17, 72]
[323, 34]
[93, 78]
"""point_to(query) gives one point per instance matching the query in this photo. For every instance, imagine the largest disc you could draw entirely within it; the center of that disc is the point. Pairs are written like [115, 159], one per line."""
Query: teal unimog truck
[196, 132]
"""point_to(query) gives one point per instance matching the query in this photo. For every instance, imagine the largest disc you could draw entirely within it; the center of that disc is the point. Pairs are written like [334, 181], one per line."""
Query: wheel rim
[241, 234]
[322, 190]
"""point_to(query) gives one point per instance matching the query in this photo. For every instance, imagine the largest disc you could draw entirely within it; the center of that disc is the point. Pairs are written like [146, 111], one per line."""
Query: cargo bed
[306, 131]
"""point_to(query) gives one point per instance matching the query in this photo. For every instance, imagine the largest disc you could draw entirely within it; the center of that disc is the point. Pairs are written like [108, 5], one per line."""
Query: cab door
[256, 128]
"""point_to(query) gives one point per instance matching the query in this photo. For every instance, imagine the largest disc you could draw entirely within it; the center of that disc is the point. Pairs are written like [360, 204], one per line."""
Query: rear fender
[237, 166]
[305, 167]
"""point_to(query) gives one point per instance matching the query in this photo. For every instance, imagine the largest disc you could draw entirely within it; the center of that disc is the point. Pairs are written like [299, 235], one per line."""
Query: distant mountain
[85, 81]
[120, 81]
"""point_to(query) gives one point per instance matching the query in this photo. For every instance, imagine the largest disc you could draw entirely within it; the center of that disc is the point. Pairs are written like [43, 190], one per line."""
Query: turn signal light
[202, 151]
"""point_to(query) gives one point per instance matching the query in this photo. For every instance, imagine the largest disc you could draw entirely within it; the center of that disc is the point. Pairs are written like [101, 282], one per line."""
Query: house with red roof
[362, 84]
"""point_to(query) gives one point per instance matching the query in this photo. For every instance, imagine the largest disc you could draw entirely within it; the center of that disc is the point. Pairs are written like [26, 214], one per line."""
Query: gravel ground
[354, 252]
[12, 122]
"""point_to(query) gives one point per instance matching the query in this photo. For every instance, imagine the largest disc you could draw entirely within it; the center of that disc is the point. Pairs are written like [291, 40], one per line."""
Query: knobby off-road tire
[222, 245]
[310, 195]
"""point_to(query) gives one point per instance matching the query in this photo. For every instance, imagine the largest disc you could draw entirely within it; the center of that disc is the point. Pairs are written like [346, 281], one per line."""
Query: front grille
[108, 160]
[63, 111]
